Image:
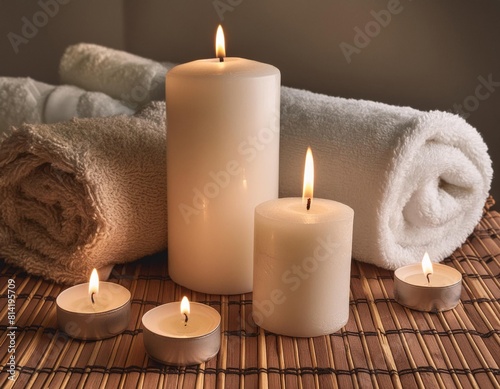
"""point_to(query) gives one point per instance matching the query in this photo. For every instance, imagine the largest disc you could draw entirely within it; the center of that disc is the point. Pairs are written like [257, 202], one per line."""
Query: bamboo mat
[383, 345]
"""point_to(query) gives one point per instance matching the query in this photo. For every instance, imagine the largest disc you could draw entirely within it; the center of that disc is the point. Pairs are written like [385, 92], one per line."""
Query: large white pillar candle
[222, 160]
[302, 266]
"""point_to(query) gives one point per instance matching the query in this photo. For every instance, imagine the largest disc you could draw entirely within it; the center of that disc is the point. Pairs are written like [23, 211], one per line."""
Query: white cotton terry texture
[23, 100]
[67, 102]
[417, 181]
[119, 74]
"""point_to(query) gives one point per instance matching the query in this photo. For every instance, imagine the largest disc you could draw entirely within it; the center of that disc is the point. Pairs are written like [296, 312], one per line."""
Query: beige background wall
[429, 54]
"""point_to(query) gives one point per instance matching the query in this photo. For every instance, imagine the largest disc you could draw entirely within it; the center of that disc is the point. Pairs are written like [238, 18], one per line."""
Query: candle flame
[93, 284]
[308, 188]
[427, 266]
[220, 47]
[185, 307]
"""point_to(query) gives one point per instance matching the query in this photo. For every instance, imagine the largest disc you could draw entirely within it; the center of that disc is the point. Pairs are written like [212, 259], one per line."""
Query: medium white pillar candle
[222, 160]
[302, 266]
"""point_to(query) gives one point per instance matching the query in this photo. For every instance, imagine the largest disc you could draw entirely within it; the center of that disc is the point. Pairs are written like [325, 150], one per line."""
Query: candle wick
[92, 297]
[428, 275]
[185, 319]
[308, 206]
[221, 59]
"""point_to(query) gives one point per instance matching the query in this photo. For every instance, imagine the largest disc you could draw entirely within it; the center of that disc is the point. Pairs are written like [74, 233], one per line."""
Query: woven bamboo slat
[383, 345]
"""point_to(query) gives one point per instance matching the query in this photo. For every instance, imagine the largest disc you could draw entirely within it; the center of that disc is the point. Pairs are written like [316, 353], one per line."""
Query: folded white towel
[119, 74]
[83, 193]
[417, 181]
[23, 100]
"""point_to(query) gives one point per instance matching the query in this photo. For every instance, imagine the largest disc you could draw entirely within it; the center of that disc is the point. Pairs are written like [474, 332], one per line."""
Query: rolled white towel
[67, 102]
[119, 74]
[417, 181]
[23, 100]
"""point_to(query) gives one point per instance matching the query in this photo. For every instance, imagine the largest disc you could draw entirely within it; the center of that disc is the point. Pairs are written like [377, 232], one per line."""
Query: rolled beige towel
[83, 193]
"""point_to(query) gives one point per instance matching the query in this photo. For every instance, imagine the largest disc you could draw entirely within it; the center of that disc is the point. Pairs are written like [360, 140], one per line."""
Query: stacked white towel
[67, 102]
[23, 100]
[119, 74]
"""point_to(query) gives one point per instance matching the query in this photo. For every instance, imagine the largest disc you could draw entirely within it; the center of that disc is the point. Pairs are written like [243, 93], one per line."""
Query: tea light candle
[222, 161]
[182, 333]
[302, 263]
[94, 310]
[427, 287]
